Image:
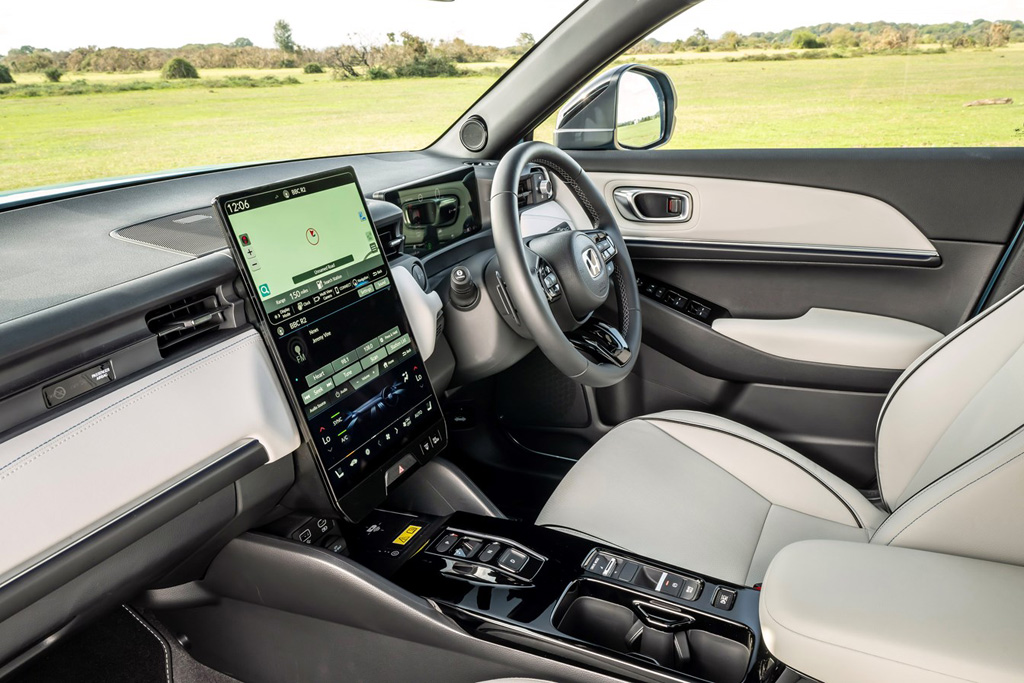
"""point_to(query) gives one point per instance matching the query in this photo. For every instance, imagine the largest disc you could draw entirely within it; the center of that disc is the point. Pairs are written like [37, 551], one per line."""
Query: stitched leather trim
[571, 183]
[951, 473]
[946, 498]
[905, 377]
[853, 513]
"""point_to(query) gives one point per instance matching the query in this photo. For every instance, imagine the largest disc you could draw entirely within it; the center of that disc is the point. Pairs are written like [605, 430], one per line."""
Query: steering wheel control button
[489, 551]
[467, 548]
[445, 544]
[605, 245]
[513, 560]
[549, 281]
[725, 598]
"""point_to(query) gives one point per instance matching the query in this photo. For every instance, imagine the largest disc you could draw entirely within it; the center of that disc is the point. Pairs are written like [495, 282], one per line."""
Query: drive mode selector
[464, 292]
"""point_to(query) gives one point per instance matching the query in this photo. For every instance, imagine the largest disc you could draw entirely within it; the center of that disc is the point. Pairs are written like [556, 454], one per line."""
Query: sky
[66, 24]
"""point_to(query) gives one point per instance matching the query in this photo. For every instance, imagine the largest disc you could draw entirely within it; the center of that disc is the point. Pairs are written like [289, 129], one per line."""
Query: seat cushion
[705, 494]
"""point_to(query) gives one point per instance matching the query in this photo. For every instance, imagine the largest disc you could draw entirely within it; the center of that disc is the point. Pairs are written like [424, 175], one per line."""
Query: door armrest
[840, 611]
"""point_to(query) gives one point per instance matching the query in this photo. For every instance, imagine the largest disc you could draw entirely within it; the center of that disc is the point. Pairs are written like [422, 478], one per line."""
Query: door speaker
[474, 134]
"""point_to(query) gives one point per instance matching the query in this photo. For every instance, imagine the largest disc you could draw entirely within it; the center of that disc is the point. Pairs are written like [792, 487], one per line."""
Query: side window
[788, 81]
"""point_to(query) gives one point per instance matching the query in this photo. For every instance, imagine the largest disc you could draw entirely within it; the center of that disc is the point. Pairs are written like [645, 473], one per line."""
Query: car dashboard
[142, 423]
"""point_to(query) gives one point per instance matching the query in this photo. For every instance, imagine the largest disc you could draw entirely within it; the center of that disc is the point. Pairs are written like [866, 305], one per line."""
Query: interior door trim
[771, 251]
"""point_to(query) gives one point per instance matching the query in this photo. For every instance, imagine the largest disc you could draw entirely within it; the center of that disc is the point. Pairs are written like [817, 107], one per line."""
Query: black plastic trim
[59, 569]
[669, 250]
[42, 345]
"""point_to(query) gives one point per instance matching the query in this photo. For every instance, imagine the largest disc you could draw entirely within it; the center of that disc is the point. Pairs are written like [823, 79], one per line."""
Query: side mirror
[627, 107]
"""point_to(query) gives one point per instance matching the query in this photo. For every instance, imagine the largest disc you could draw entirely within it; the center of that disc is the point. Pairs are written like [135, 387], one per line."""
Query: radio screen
[314, 266]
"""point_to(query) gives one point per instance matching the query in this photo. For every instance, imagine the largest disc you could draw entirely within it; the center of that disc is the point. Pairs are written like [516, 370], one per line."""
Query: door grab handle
[630, 199]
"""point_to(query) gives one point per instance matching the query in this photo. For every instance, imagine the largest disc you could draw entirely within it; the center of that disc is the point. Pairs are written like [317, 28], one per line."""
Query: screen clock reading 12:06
[324, 293]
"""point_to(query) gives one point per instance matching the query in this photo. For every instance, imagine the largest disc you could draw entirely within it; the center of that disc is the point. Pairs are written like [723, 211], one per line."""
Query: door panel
[970, 194]
[964, 205]
[760, 213]
[823, 335]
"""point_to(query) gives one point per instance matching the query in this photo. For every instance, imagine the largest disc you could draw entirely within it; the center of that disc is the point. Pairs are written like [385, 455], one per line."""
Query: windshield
[112, 88]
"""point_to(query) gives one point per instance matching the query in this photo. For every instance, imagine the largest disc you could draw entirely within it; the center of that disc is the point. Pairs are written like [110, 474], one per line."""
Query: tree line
[406, 54]
[876, 36]
[400, 54]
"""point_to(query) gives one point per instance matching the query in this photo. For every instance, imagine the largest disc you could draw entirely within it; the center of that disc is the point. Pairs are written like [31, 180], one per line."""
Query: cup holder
[655, 632]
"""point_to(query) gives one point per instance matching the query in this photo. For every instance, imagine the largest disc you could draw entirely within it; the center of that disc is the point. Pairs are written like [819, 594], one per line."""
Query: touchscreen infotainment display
[328, 305]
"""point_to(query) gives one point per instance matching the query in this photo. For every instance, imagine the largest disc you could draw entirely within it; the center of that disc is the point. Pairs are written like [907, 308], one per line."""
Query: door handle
[651, 205]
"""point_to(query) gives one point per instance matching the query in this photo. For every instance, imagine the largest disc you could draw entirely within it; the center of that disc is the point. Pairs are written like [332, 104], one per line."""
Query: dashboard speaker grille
[474, 134]
[195, 233]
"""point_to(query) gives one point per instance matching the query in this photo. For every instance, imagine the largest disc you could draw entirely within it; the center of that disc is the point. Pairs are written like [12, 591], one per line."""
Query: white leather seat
[707, 494]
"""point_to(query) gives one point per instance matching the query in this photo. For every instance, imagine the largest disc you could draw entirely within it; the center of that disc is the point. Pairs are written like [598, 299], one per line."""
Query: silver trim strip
[884, 252]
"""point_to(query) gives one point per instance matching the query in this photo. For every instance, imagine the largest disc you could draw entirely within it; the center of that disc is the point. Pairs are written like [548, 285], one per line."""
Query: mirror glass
[639, 111]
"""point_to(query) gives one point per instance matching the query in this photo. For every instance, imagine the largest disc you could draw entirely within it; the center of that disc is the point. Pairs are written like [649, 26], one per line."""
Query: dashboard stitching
[575, 187]
[73, 431]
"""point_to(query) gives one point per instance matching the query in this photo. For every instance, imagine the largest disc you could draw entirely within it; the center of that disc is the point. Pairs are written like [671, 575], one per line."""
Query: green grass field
[856, 102]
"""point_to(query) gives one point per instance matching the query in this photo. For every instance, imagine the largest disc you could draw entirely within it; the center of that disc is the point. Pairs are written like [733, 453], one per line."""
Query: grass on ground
[858, 102]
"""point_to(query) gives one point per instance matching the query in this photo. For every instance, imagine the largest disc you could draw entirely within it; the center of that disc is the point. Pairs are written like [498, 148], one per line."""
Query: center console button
[691, 589]
[467, 548]
[445, 544]
[489, 551]
[725, 598]
[599, 563]
[671, 584]
[626, 572]
[513, 560]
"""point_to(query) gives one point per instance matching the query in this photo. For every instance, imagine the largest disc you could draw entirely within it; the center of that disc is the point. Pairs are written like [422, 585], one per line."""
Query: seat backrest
[950, 439]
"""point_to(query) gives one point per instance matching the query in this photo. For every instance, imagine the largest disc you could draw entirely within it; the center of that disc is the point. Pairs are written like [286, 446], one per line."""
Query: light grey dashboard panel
[70, 476]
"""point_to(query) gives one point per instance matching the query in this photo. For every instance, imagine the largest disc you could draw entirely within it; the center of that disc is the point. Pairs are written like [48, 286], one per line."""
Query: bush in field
[805, 40]
[312, 68]
[379, 73]
[430, 66]
[179, 68]
[5, 74]
[53, 74]
[287, 63]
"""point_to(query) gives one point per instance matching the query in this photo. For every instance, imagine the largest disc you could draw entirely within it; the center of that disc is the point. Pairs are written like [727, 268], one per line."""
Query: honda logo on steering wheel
[593, 262]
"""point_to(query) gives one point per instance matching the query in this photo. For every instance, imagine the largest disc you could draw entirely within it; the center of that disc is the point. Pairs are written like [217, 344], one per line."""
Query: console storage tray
[655, 632]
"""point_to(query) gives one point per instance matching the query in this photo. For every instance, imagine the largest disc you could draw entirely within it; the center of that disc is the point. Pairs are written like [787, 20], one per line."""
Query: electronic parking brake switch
[644, 576]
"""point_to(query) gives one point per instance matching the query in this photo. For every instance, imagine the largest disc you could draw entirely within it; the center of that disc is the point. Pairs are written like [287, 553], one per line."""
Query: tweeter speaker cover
[474, 134]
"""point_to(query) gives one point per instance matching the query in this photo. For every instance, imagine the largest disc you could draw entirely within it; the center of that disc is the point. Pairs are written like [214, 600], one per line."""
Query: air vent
[392, 238]
[182, 322]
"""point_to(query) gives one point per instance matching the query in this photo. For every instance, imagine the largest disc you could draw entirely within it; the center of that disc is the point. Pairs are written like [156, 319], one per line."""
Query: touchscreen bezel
[372, 489]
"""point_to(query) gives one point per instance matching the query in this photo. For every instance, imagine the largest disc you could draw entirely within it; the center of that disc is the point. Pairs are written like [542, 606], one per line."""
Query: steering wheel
[557, 280]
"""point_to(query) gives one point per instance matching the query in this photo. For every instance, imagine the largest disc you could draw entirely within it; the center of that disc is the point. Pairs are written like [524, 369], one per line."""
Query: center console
[570, 597]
